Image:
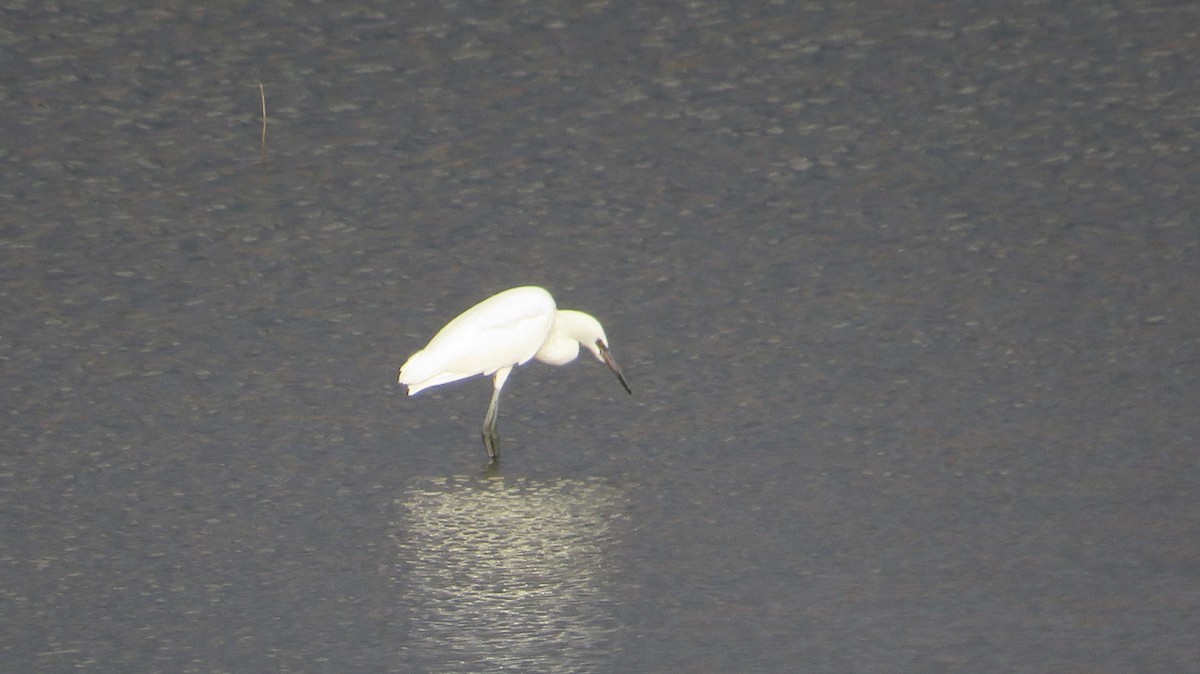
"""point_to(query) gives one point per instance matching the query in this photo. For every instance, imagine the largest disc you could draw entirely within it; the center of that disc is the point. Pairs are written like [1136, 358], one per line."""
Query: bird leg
[491, 437]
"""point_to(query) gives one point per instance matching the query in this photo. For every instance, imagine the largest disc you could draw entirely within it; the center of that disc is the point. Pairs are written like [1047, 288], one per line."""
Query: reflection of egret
[508, 577]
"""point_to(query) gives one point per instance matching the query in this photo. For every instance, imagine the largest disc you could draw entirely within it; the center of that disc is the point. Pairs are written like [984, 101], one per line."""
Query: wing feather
[504, 330]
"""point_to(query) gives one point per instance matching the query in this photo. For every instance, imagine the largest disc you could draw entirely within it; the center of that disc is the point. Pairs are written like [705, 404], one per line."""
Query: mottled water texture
[514, 577]
[906, 294]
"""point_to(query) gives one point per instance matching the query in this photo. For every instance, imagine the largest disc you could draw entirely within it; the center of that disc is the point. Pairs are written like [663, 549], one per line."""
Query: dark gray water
[906, 295]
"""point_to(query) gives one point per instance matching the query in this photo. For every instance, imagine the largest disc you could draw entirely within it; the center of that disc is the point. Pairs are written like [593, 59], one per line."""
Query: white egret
[496, 335]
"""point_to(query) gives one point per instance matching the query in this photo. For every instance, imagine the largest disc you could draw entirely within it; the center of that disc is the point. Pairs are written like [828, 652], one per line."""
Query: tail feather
[420, 373]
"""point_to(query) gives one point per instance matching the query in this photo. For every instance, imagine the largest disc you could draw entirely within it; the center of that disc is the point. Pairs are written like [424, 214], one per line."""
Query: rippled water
[906, 294]
[503, 575]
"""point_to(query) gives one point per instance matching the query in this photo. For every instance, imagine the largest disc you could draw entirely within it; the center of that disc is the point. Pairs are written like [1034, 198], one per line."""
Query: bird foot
[491, 442]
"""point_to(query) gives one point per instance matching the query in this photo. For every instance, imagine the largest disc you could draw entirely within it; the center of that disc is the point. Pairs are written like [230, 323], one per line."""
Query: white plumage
[499, 333]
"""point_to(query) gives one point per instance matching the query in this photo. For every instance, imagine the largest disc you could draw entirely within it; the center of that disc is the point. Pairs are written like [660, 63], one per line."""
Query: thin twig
[262, 94]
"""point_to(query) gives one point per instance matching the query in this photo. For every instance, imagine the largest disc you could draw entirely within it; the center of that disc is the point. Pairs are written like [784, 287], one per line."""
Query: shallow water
[905, 297]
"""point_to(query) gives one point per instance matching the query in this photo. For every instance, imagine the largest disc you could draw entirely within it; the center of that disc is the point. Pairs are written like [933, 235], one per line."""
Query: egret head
[572, 328]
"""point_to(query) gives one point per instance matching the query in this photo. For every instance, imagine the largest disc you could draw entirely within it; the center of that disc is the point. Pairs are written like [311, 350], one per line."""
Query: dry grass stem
[262, 95]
